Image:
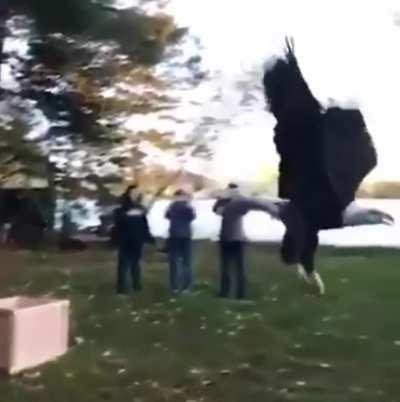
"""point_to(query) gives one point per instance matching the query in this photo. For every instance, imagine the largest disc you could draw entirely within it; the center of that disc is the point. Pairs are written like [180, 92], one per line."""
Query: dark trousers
[232, 253]
[180, 264]
[129, 262]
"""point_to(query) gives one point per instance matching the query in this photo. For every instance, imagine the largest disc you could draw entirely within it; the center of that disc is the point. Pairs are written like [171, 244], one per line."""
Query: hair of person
[132, 186]
[179, 193]
[125, 198]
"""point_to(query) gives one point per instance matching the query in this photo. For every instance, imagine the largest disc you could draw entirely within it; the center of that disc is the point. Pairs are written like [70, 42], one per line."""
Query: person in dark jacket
[180, 215]
[232, 207]
[131, 233]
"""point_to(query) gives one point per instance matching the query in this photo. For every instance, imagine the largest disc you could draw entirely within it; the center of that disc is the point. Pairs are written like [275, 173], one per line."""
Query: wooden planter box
[32, 331]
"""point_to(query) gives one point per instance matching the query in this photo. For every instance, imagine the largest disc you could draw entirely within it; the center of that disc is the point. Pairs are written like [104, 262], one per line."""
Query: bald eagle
[324, 156]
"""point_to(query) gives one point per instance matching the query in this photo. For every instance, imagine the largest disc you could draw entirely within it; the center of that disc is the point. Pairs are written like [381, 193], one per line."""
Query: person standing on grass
[131, 233]
[180, 214]
[232, 206]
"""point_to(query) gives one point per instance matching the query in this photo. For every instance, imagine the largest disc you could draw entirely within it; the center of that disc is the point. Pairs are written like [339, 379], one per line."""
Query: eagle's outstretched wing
[348, 151]
[286, 90]
[323, 155]
[299, 124]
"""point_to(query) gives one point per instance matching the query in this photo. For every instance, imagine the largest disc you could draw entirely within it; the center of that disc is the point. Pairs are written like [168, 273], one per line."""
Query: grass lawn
[287, 344]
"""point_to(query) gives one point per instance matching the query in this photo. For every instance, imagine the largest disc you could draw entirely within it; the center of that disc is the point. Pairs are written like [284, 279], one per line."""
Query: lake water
[259, 226]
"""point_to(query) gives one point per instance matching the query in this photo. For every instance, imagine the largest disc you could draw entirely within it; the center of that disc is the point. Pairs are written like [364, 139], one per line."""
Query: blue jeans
[232, 253]
[180, 264]
[129, 262]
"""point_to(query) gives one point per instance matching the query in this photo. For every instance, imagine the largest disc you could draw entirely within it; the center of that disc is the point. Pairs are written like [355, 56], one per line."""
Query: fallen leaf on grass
[178, 389]
[79, 340]
[196, 371]
[325, 365]
[244, 365]
[32, 375]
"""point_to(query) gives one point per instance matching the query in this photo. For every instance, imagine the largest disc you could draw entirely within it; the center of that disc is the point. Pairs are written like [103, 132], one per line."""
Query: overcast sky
[348, 50]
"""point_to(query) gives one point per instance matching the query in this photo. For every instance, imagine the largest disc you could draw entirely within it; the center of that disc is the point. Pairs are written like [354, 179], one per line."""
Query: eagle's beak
[388, 220]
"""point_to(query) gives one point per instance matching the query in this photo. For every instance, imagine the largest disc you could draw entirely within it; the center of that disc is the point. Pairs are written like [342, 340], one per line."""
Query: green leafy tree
[78, 50]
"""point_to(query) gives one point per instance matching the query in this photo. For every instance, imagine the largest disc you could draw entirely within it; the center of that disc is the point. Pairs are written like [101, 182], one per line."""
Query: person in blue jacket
[180, 214]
